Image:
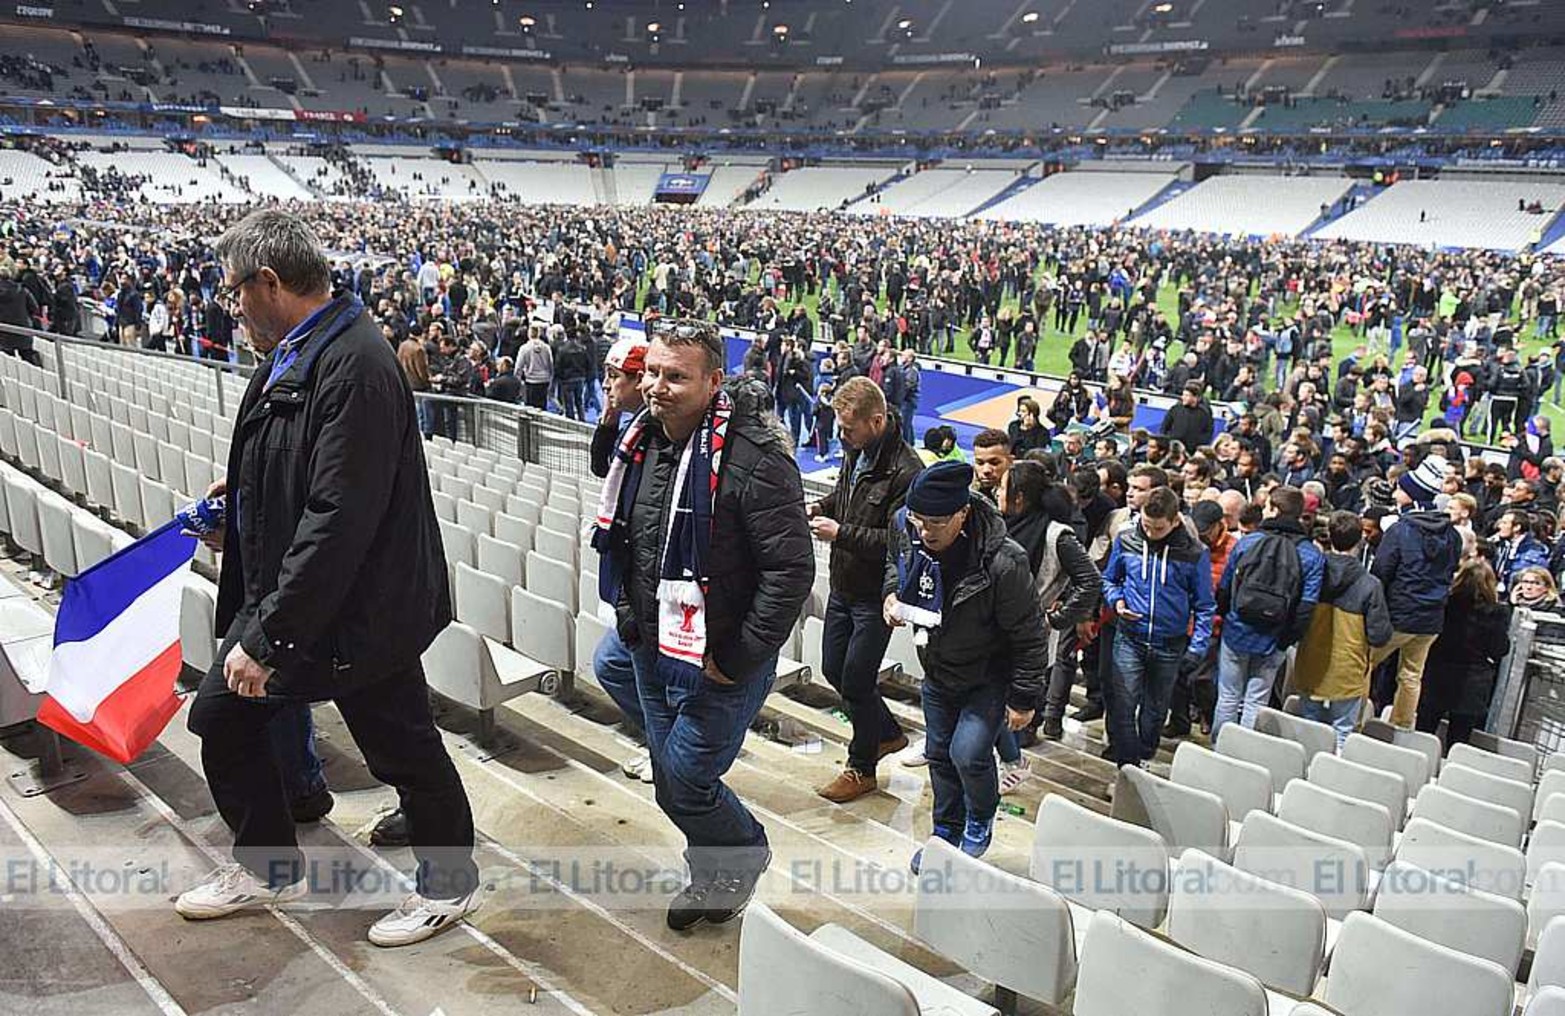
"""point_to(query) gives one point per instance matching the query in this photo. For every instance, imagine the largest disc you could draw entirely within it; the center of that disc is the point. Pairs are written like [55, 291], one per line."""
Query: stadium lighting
[655, 27]
[394, 14]
[1030, 17]
[527, 21]
[1163, 8]
[780, 30]
[905, 23]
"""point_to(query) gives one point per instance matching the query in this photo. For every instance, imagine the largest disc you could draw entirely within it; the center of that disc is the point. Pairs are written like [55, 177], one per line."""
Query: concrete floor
[577, 860]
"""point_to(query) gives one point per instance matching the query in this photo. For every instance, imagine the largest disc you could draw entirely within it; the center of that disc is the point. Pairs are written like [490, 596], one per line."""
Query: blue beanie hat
[940, 490]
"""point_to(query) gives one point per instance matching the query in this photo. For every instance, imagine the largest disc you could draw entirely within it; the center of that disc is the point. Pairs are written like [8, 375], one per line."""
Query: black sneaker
[1173, 731]
[717, 900]
[1053, 729]
[312, 807]
[391, 831]
[1087, 713]
[689, 907]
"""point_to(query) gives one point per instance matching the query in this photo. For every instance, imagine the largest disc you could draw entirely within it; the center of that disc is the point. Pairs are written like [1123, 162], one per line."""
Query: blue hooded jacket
[1415, 563]
[1243, 638]
[1166, 582]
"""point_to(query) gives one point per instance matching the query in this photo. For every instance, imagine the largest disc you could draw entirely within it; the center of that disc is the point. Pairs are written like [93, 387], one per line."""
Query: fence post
[59, 367]
[222, 406]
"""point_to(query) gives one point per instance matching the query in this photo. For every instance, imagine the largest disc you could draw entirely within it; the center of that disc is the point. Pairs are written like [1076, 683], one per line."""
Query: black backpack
[1268, 583]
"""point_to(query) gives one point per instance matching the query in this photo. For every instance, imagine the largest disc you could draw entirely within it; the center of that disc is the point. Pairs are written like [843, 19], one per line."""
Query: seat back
[1332, 870]
[457, 543]
[557, 545]
[1274, 932]
[474, 517]
[197, 620]
[589, 632]
[1488, 762]
[1315, 737]
[1468, 860]
[1125, 970]
[1243, 786]
[551, 579]
[455, 665]
[54, 525]
[514, 530]
[1552, 782]
[93, 540]
[542, 629]
[1100, 862]
[1521, 750]
[1545, 844]
[1421, 741]
[501, 559]
[482, 602]
[523, 506]
[1354, 779]
[1548, 958]
[157, 503]
[445, 505]
[783, 972]
[1377, 969]
[1282, 758]
[1548, 1002]
[1469, 815]
[1439, 910]
[559, 520]
[1363, 823]
[1185, 817]
[1001, 927]
[1410, 764]
[1510, 793]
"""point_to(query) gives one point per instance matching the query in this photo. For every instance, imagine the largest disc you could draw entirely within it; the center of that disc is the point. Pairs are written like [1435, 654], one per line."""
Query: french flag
[116, 647]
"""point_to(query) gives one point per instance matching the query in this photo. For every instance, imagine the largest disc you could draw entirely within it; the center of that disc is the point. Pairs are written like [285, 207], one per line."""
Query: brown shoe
[891, 747]
[850, 785]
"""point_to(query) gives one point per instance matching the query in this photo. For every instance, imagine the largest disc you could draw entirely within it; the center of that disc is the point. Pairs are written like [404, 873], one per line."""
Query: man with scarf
[967, 589]
[1415, 563]
[333, 585]
[706, 554]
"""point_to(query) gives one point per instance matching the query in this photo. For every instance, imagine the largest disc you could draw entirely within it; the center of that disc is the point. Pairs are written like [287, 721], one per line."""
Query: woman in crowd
[1473, 640]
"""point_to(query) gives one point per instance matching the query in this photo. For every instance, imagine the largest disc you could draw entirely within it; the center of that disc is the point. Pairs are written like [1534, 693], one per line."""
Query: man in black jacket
[1190, 422]
[17, 307]
[873, 479]
[333, 584]
[731, 608]
[968, 590]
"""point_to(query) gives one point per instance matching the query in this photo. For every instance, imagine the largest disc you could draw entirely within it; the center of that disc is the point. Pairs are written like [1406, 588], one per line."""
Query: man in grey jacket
[535, 365]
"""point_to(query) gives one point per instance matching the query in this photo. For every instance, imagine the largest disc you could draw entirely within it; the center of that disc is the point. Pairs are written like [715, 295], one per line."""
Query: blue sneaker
[977, 836]
[945, 833]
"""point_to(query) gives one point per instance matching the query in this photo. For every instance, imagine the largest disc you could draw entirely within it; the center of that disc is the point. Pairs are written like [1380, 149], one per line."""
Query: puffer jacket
[1415, 563]
[863, 506]
[762, 562]
[1350, 620]
[334, 568]
[1167, 583]
[991, 629]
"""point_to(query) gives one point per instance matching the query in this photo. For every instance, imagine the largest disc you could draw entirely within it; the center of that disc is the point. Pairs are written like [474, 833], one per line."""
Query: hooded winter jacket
[1165, 584]
[1349, 621]
[1415, 563]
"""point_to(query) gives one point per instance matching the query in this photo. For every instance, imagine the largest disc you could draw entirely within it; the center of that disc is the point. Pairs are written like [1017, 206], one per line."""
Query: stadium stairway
[1553, 233]
[1162, 197]
[1358, 194]
[1021, 184]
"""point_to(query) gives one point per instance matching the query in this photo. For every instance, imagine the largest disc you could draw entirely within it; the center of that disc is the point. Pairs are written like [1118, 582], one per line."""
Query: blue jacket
[1415, 563]
[1167, 583]
[1510, 559]
[1242, 637]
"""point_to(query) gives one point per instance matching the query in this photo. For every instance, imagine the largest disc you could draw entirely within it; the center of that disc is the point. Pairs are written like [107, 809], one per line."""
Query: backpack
[1268, 583]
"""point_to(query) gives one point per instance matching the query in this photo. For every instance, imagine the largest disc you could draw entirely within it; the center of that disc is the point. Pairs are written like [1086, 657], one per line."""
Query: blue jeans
[694, 735]
[572, 394]
[1243, 679]
[292, 732]
[853, 644]
[1340, 713]
[909, 410]
[614, 667]
[795, 414]
[426, 417]
[1142, 680]
[960, 727]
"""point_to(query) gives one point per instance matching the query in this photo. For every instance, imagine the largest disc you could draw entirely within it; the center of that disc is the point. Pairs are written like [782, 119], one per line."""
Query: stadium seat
[1479, 864]
[1548, 1002]
[1282, 758]
[1366, 783]
[157, 503]
[171, 467]
[783, 972]
[1163, 979]
[560, 521]
[1545, 845]
[1377, 969]
[474, 517]
[1100, 863]
[542, 629]
[1451, 914]
[482, 602]
[1552, 783]
[513, 530]
[588, 632]
[54, 525]
[100, 479]
[1412, 765]
[27, 444]
[458, 543]
[559, 546]
[127, 493]
[146, 455]
[502, 559]
[491, 500]
[1185, 817]
[197, 618]
[1488, 762]
[1419, 740]
[1316, 738]
[551, 580]
[523, 507]
[1470, 815]
[1363, 823]
[1333, 870]
[73, 467]
[8, 422]
[92, 539]
[1509, 793]
[1523, 752]
[48, 453]
[1243, 786]
[1271, 931]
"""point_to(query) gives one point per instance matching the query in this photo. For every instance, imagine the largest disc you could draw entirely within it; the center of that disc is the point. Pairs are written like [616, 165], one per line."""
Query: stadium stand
[266, 178]
[938, 193]
[726, 185]
[26, 177]
[540, 183]
[1451, 213]
[1247, 205]
[816, 188]
[1080, 199]
[166, 177]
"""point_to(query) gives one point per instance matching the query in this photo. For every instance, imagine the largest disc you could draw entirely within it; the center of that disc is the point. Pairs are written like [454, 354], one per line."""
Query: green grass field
[1053, 356]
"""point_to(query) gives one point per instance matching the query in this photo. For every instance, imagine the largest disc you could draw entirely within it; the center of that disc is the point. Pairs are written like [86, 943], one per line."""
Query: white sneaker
[418, 918]
[230, 889]
[638, 767]
[1013, 775]
[915, 757]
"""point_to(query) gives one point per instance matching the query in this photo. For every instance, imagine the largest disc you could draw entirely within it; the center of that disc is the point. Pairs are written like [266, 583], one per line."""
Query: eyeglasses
[228, 296]
[683, 329]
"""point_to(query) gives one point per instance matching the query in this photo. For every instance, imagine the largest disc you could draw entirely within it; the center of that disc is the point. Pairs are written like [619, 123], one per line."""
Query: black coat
[1469, 648]
[334, 569]
[863, 508]
[762, 561]
[991, 630]
[1189, 425]
[17, 307]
